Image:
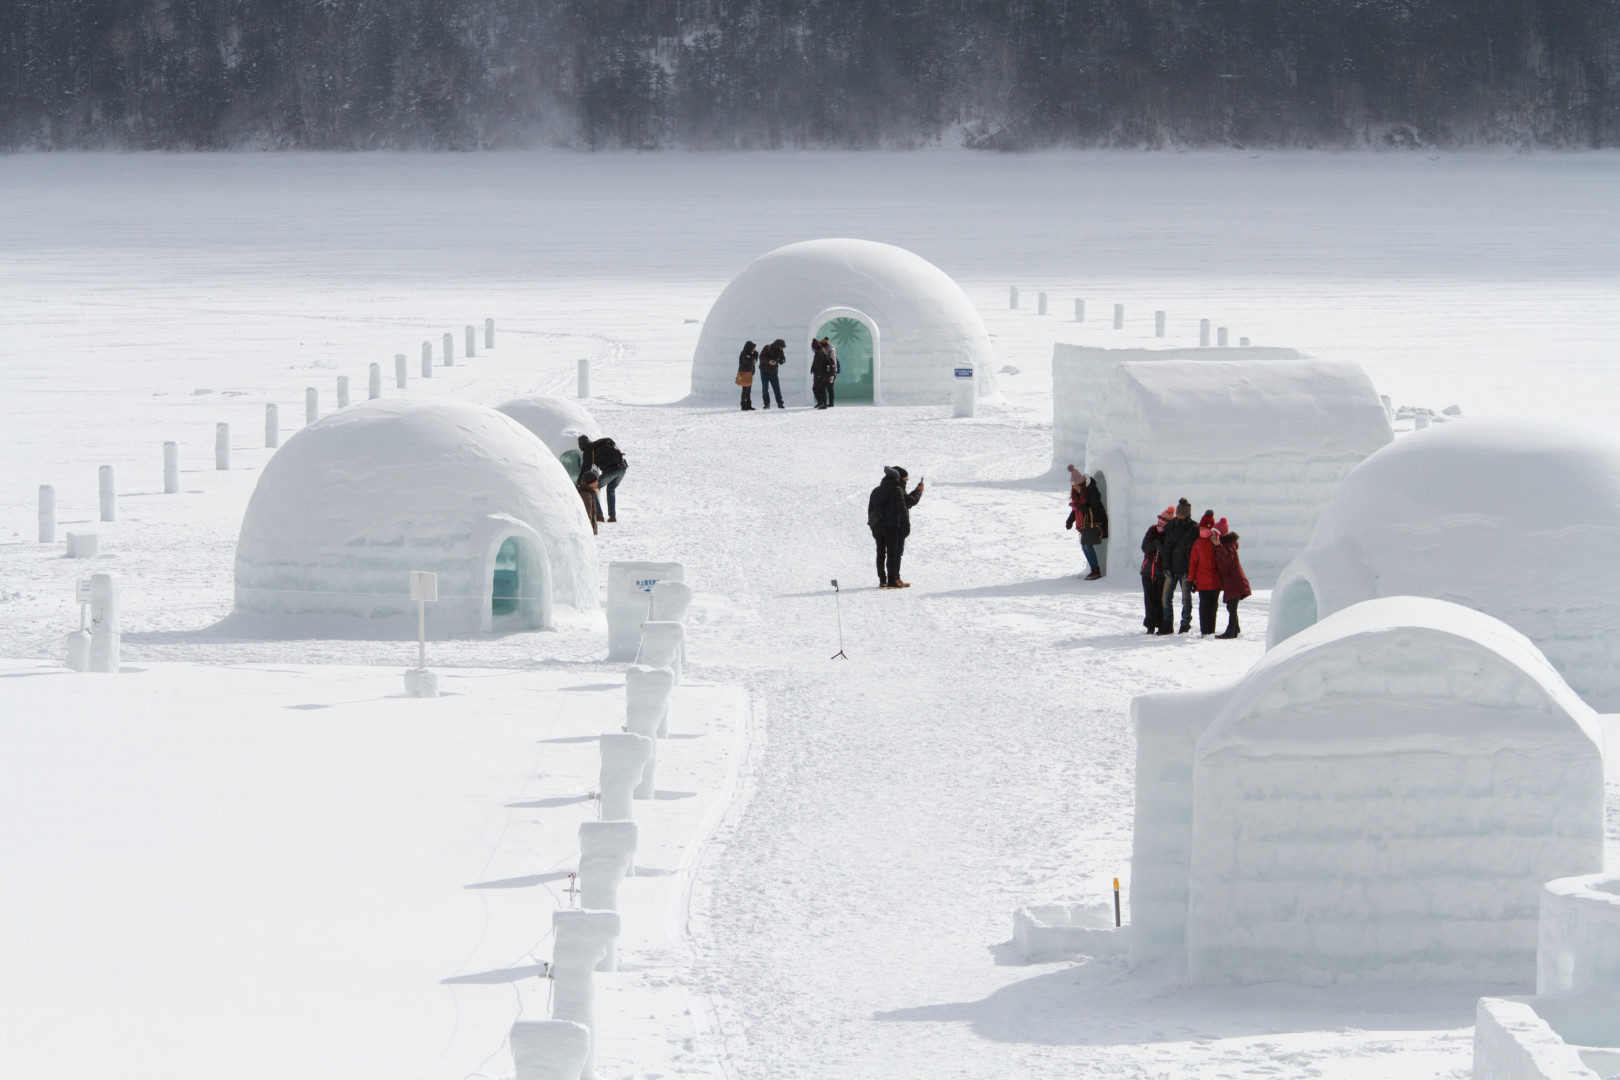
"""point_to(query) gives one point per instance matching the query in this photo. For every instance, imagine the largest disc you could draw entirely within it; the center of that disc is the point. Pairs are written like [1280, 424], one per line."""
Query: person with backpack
[745, 374]
[832, 380]
[771, 357]
[1205, 575]
[610, 464]
[888, 515]
[1179, 534]
[1153, 572]
[1234, 582]
[821, 372]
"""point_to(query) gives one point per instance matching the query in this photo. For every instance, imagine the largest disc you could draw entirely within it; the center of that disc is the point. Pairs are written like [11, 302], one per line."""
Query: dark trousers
[771, 380]
[1152, 602]
[830, 383]
[821, 388]
[891, 544]
[609, 482]
[748, 396]
[1171, 584]
[1209, 605]
[1232, 626]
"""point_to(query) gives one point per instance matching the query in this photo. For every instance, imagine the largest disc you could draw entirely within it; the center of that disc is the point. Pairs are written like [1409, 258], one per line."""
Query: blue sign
[964, 373]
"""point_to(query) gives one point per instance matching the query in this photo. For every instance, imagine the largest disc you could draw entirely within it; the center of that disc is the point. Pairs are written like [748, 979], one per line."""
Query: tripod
[838, 607]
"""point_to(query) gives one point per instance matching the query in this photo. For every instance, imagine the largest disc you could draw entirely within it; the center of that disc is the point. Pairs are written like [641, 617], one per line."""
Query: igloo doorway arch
[860, 354]
[518, 579]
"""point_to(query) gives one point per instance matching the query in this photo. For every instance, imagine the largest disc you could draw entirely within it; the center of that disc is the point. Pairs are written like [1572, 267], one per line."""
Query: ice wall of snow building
[352, 503]
[1080, 381]
[1517, 518]
[1380, 798]
[1580, 934]
[1262, 444]
[556, 421]
[922, 325]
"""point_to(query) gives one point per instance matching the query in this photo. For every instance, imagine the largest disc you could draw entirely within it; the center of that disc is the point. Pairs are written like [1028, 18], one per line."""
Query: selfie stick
[838, 607]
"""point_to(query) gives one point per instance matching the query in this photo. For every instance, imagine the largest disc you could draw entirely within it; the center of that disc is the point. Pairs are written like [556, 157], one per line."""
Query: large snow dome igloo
[900, 324]
[1516, 518]
[1263, 444]
[1379, 798]
[354, 502]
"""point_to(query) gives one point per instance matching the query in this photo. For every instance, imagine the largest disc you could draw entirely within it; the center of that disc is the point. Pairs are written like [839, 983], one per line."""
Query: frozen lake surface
[975, 752]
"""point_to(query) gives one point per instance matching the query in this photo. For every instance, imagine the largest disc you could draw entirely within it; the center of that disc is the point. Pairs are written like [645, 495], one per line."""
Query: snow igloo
[351, 504]
[1263, 444]
[900, 324]
[556, 421]
[1379, 798]
[1516, 518]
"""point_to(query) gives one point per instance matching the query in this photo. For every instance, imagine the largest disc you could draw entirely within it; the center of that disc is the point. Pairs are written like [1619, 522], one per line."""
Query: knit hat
[1183, 508]
[1076, 477]
[1220, 526]
[892, 472]
[1207, 520]
[1168, 513]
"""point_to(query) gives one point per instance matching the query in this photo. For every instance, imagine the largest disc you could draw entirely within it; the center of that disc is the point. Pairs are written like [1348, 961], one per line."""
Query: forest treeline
[1006, 74]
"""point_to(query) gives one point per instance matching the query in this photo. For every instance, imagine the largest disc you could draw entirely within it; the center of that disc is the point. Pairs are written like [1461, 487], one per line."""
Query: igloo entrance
[1293, 608]
[519, 584]
[856, 354]
[504, 591]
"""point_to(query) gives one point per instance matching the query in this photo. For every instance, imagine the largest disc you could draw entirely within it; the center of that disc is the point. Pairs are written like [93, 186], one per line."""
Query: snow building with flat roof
[352, 503]
[556, 421]
[1380, 798]
[1517, 518]
[901, 326]
[1264, 445]
[1080, 381]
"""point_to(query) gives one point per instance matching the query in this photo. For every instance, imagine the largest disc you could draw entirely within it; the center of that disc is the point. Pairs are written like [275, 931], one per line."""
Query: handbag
[745, 378]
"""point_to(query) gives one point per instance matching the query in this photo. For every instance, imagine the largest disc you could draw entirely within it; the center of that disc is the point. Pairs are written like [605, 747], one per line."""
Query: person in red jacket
[1234, 582]
[1204, 575]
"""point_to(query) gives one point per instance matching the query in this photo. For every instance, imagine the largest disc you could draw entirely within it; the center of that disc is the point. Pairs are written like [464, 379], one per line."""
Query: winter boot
[1094, 575]
[898, 584]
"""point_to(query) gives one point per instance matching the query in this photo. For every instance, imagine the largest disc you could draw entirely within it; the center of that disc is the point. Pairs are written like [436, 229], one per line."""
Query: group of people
[597, 467]
[1176, 555]
[1179, 555]
[768, 361]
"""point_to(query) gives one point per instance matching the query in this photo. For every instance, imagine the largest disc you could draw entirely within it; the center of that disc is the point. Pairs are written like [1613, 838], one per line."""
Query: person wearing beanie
[821, 372]
[745, 374]
[1088, 516]
[772, 357]
[888, 515]
[1179, 534]
[1234, 582]
[1153, 572]
[1204, 575]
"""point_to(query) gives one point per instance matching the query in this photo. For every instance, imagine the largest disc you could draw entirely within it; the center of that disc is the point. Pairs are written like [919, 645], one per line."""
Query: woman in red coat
[1204, 575]
[1233, 580]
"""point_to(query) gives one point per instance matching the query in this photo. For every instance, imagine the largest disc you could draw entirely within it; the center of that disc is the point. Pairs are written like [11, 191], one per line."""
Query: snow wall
[1380, 798]
[1264, 445]
[1517, 518]
[1080, 380]
[556, 421]
[921, 324]
[352, 503]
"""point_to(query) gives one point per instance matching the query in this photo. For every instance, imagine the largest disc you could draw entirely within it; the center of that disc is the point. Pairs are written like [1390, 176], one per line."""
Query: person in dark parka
[888, 514]
[1088, 516]
[771, 357]
[1153, 572]
[1179, 535]
[745, 374]
[821, 372]
[1234, 582]
[609, 461]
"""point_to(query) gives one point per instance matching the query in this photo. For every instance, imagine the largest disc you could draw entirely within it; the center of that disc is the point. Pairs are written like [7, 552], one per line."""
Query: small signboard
[964, 373]
[81, 591]
[424, 585]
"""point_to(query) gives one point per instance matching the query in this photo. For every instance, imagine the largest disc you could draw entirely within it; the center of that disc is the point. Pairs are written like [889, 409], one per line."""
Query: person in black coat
[771, 357]
[610, 463]
[1153, 572]
[888, 514]
[821, 372]
[1179, 534]
[745, 374]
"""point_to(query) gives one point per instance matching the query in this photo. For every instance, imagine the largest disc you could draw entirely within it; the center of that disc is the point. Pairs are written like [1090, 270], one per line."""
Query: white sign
[424, 585]
[81, 591]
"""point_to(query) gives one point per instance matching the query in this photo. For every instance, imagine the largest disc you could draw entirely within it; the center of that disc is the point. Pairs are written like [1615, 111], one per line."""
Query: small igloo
[1517, 518]
[556, 421]
[352, 503]
[1379, 798]
[1262, 444]
[901, 326]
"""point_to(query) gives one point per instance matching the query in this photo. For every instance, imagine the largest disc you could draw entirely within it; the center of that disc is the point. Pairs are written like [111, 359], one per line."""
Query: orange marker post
[1116, 901]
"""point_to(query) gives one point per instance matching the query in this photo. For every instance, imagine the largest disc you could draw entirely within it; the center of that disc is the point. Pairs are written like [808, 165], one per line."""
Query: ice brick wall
[1579, 943]
[1080, 381]
[1511, 1042]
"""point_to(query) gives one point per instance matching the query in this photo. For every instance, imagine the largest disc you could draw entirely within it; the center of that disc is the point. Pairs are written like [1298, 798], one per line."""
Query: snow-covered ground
[972, 755]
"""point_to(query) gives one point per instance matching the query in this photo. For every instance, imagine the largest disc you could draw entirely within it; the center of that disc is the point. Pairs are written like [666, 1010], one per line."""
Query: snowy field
[974, 754]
